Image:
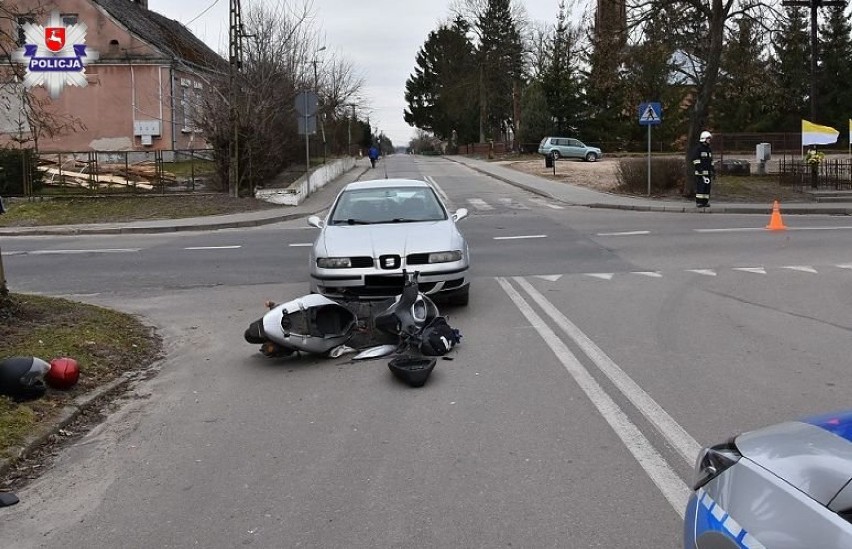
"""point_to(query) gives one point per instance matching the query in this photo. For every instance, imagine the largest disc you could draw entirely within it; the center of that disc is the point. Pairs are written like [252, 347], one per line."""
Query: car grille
[361, 262]
[417, 259]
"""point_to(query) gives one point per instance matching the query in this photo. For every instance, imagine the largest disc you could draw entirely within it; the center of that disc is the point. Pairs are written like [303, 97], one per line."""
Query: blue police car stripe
[839, 423]
[711, 517]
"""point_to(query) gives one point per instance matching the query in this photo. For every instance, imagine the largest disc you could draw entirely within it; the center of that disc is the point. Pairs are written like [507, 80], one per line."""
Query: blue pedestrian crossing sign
[650, 114]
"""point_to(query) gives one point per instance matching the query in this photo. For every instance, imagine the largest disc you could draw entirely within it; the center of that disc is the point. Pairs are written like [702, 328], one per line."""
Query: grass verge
[105, 343]
[80, 210]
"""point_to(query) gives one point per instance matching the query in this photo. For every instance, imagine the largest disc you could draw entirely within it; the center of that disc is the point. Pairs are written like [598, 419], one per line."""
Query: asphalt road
[601, 348]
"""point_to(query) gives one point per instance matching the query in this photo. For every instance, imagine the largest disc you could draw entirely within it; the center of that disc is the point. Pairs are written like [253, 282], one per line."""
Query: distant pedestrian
[2, 208]
[374, 155]
[702, 162]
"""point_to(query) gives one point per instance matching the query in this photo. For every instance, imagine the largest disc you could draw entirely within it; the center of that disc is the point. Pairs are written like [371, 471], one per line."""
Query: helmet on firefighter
[705, 136]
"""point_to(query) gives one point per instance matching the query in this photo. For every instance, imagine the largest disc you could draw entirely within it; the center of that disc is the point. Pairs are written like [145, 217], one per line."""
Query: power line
[210, 7]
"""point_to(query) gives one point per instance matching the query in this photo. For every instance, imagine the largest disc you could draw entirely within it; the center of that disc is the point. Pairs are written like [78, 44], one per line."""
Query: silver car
[788, 486]
[375, 230]
[568, 147]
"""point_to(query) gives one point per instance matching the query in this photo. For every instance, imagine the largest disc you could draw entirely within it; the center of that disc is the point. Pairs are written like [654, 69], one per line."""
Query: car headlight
[334, 262]
[445, 257]
[713, 461]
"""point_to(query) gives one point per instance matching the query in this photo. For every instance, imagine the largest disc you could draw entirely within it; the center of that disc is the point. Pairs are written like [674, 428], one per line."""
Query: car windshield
[387, 205]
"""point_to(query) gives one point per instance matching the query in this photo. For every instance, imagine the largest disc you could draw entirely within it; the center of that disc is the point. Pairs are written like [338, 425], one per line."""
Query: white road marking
[650, 274]
[845, 266]
[625, 233]
[602, 276]
[731, 230]
[510, 203]
[748, 229]
[671, 486]
[801, 268]
[301, 245]
[755, 270]
[543, 202]
[819, 228]
[213, 248]
[101, 251]
[479, 204]
[438, 189]
[520, 237]
[705, 272]
[677, 436]
[549, 278]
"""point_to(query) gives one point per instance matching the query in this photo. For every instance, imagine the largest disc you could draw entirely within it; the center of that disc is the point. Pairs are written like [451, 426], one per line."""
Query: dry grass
[81, 210]
[105, 343]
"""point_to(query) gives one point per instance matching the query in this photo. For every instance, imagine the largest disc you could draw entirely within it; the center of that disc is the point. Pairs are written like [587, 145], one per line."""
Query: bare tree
[281, 59]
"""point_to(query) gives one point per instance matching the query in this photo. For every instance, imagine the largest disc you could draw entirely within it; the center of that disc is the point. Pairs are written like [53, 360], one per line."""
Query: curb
[726, 209]
[66, 416]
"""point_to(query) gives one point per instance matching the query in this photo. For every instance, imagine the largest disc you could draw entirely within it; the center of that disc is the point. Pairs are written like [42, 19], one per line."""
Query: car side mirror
[315, 221]
[460, 214]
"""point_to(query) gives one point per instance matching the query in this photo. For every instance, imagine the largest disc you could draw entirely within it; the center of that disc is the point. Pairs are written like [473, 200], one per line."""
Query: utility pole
[814, 5]
[319, 112]
[235, 61]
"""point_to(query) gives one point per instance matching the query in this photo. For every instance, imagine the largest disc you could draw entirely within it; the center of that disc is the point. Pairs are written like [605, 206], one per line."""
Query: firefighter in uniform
[702, 163]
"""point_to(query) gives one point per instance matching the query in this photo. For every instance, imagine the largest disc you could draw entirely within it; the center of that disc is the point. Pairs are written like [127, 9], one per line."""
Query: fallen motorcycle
[319, 325]
[311, 324]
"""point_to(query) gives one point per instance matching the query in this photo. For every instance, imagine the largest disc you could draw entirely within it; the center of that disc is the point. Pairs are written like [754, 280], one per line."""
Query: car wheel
[555, 155]
[591, 157]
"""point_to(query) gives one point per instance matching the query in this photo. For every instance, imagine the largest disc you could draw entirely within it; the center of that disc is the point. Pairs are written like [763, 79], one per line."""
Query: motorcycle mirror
[315, 221]
[460, 214]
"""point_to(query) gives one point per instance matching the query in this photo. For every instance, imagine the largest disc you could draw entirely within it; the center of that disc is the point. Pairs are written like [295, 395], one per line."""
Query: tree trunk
[704, 95]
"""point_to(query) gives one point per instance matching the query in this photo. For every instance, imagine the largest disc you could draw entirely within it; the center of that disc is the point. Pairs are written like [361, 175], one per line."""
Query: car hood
[388, 238]
[814, 458]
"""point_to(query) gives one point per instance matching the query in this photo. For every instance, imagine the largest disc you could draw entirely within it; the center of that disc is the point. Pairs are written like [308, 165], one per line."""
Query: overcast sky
[379, 37]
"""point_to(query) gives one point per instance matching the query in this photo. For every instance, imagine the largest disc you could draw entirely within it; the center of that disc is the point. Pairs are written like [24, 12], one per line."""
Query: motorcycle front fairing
[312, 323]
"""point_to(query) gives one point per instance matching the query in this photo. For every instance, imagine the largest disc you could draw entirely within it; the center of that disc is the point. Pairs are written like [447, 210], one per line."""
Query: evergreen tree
[790, 71]
[538, 122]
[442, 93]
[743, 88]
[603, 117]
[560, 77]
[500, 58]
[650, 71]
[834, 94]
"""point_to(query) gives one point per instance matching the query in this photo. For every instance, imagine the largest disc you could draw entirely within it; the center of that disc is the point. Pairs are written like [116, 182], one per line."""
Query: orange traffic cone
[775, 222]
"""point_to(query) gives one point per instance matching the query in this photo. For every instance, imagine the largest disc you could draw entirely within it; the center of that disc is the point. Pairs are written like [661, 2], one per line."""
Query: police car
[782, 487]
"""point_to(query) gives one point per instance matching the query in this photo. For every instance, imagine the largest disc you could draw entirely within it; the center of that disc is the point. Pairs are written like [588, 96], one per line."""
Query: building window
[69, 19]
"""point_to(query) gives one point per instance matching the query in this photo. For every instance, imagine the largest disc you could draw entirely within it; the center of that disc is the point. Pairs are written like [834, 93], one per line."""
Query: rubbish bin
[548, 161]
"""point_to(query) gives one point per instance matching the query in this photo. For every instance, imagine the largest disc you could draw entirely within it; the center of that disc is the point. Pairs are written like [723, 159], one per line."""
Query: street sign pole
[649, 160]
[306, 106]
[307, 150]
[650, 114]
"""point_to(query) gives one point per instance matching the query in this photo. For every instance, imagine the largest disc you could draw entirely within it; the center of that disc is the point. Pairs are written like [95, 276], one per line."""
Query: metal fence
[830, 174]
[116, 172]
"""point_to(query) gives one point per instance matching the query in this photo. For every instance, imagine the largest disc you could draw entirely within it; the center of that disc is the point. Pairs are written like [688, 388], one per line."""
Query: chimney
[142, 3]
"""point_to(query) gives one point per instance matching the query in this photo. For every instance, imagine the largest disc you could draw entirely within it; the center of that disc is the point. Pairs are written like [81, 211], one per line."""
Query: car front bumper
[440, 278]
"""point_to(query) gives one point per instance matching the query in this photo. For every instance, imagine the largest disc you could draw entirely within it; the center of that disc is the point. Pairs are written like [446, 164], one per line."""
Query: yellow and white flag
[814, 134]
